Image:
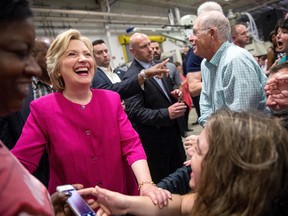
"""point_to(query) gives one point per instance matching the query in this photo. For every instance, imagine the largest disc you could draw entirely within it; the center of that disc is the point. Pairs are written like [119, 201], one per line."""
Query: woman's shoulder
[105, 93]
[48, 99]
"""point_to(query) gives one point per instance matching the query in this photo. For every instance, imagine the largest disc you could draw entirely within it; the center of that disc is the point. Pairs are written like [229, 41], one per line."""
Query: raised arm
[146, 185]
[115, 203]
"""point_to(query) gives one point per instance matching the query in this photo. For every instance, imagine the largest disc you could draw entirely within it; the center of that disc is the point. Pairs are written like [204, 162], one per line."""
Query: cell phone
[76, 202]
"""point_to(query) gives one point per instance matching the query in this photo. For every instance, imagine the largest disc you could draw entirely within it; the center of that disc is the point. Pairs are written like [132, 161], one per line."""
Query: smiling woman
[69, 52]
[17, 68]
[76, 69]
[17, 63]
[69, 124]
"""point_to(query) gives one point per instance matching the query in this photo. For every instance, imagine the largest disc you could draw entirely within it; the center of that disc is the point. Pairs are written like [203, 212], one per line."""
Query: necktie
[160, 83]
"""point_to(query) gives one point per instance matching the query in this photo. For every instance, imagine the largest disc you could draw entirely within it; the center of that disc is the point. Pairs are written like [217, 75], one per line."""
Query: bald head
[136, 38]
[140, 47]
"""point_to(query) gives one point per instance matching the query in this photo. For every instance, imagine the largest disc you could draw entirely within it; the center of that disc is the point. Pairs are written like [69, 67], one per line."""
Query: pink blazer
[92, 145]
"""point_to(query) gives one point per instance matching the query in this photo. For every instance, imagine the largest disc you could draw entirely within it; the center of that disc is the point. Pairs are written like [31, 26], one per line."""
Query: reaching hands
[59, 203]
[108, 202]
[277, 90]
[189, 142]
[61, 208]
[157, 70]
[157, 195]
[176, 110]
[177, 94]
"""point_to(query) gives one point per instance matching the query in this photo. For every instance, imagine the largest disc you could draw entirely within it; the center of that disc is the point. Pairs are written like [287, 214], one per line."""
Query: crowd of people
[68, 117]
[239, 167]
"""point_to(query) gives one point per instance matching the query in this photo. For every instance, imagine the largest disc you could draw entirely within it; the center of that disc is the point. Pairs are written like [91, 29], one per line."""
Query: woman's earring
[59, 75]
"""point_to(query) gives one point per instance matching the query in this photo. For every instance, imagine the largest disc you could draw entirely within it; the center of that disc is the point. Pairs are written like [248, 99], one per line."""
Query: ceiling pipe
[265, 4]
[94, 13]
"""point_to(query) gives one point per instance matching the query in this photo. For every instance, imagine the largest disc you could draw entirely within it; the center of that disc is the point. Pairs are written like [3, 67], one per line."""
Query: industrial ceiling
[97, 16]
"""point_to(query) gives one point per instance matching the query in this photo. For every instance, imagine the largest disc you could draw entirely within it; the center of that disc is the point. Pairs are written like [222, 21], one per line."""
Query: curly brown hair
[245, 171]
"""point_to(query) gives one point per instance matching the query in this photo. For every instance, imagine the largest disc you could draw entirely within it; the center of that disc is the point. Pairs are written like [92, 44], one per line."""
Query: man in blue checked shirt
[231, 78]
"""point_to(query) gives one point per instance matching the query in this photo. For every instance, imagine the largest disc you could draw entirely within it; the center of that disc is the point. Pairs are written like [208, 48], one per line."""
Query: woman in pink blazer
[85, 131]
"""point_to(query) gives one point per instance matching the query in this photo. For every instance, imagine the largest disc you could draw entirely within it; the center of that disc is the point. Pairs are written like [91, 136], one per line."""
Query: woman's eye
[21, 54]
[71, 54]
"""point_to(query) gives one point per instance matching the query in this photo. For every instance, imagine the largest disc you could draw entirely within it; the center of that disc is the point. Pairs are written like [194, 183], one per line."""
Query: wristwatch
[142, 73]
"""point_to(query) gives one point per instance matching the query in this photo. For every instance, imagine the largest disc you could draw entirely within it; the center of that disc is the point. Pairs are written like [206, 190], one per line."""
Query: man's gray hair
[215, 19]
[209, 6]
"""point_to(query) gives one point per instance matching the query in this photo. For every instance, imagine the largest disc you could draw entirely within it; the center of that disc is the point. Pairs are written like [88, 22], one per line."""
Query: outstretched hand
[277, 90]
[158, 196]
[177, 94]
[190, 141]
[157, 70]
[189, 144]
[108, 202]
[61, 208]
[176, 110]
[59, 203]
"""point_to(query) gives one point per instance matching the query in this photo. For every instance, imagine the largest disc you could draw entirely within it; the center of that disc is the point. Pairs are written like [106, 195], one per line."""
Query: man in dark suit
[11, 126]
[173, 73]
[155, 113]
[107, 78]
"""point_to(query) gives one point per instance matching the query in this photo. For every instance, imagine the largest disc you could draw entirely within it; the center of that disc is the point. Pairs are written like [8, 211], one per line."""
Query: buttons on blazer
[87, 132]
[94, 158]
[82, 107]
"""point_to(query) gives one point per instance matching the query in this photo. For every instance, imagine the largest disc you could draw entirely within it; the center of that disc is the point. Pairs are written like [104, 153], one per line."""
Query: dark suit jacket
[148, 111]
[11, 129]
[125, 89]
[178, 181]
[11, 126]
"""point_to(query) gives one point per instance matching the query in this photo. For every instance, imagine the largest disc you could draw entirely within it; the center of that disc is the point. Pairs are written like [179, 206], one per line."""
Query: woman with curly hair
[239, 167]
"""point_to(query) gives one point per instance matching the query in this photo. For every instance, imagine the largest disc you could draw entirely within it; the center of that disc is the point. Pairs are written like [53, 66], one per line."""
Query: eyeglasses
[196, 32]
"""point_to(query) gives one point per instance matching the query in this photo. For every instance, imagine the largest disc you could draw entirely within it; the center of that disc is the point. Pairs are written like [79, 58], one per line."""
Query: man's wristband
[142, 73]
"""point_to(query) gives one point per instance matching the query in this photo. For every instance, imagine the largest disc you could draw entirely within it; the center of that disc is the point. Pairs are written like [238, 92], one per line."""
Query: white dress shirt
[113, 77]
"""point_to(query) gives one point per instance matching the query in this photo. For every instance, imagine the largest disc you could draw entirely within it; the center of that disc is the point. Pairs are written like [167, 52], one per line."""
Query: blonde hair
[245, 171]
[57, 49]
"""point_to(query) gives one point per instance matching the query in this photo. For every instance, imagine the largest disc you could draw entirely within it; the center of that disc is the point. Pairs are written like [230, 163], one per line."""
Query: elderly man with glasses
[231, 78]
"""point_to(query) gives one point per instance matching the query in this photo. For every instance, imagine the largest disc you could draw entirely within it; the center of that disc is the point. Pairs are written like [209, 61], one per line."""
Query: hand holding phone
[76, 202]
